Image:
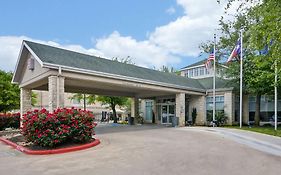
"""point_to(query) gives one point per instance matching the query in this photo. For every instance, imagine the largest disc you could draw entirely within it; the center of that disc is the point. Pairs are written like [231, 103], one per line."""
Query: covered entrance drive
[42, 67]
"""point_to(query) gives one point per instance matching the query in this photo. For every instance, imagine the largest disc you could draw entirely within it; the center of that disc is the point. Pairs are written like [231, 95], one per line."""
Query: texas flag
[236, 51]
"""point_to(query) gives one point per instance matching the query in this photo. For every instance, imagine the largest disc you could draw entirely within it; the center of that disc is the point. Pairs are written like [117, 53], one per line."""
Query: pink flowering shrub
[50, 129]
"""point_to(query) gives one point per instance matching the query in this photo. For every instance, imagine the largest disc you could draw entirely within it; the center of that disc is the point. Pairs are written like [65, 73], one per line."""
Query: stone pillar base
[180, 108]
[25, 101]
[56, 92]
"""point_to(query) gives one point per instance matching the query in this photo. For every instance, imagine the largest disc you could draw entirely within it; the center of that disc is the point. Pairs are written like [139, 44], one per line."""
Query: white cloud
[10, 48]
[143, 53]
[171, 10]
[184, 35]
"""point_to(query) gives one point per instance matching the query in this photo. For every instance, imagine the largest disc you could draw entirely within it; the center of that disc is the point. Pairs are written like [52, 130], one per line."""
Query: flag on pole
[235, 52]
[210, 58]
[208, 64]
[265, 50]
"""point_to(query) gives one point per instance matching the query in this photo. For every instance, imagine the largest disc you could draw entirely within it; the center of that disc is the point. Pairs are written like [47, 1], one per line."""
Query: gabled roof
[53, 56]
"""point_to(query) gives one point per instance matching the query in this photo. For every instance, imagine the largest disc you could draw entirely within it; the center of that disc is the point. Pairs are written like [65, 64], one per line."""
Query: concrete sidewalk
[262, 142]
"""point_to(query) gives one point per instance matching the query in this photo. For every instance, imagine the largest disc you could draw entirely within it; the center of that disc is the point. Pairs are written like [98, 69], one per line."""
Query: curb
[53, 151]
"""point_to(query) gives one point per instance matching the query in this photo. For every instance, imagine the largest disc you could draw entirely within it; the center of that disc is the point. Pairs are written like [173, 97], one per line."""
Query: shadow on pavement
[106, 128]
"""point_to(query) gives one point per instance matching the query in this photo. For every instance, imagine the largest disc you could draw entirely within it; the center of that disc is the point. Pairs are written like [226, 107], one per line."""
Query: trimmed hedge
[50, 129]
[9, 120]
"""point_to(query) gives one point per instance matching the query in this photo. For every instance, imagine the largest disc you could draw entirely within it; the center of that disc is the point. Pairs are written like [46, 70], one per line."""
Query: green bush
[9, 120]
[50, 129]
[139, 119]
[220, 117]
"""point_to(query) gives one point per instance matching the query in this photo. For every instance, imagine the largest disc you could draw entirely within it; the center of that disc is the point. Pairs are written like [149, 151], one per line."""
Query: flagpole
[241, 77]
[214, 83]
[275, 97]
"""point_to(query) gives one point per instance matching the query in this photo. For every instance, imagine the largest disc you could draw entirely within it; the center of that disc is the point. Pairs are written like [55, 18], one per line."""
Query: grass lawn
[265, 130]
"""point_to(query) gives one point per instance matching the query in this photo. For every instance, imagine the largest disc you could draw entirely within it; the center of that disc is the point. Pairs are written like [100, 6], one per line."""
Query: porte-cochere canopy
[43, 67]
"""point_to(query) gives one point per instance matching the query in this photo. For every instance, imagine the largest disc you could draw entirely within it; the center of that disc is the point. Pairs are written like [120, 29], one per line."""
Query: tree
[34, 98]
[113, 102]
[264, 24]
[258, 31]
[87, 98]
[9, 93]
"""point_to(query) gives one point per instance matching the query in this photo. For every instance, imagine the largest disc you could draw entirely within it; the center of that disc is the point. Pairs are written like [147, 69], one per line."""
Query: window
[219, 103]
[207, 71]
[195, 72]
[219, 106]
[190, 73]
[201, 71]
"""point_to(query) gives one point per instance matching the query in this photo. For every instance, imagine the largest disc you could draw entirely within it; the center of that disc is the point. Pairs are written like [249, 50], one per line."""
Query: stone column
[245, 109]
[228, 107]
[180, 108]
[25, 101]
[56, 92]
[134, 107]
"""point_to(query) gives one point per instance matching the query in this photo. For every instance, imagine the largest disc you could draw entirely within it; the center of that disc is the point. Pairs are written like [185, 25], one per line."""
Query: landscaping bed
[15, 139]
[43, 132]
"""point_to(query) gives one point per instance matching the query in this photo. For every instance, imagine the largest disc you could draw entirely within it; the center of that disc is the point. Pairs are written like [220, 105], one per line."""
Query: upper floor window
[201, 71]
[190, 73]
[195, 72]
[207, 71]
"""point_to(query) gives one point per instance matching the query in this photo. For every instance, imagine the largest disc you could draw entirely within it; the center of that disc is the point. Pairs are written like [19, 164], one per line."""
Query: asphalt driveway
[148, 149]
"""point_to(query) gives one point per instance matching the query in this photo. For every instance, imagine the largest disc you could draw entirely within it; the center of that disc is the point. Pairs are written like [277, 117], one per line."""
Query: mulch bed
[16, 137]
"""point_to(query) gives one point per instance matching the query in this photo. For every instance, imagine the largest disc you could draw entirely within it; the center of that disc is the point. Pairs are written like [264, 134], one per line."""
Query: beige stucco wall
[27, 74]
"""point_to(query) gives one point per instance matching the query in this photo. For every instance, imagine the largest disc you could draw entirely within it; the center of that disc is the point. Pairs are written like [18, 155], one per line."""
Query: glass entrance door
[168, 112]
[164, 118]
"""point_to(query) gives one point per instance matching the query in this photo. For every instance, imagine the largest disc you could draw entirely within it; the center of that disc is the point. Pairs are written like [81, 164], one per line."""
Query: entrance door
[164, 118]
[148, 111]
[168, 112]
[171, 112]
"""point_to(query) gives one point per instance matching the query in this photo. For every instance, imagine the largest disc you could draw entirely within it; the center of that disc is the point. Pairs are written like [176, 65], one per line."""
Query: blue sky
[151, 32]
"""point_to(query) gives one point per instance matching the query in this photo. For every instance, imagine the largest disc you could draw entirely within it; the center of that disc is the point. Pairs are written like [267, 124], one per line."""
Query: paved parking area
[148, 149]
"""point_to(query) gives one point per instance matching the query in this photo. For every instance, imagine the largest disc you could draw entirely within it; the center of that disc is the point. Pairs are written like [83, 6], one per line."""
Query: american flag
[208, 62]
[211, 56]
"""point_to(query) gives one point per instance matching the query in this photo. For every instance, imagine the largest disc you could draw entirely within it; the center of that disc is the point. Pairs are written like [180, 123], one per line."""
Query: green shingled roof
[58, 56]
[207, 83]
